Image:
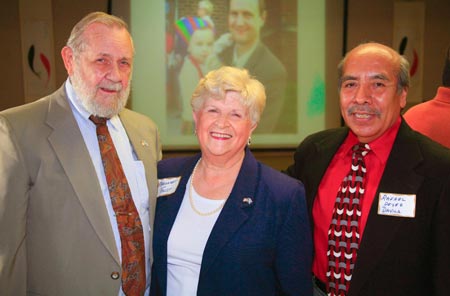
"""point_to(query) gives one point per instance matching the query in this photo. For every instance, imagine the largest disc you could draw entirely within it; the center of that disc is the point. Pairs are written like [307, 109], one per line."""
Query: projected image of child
[198, 36]
[204, 10]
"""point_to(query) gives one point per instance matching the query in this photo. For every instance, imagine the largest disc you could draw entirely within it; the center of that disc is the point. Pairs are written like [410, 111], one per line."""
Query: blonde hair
[218, 82]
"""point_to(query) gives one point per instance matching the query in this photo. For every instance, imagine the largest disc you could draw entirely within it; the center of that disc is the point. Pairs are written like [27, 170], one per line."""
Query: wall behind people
[11, 83]
[376, 22]
[365, 22]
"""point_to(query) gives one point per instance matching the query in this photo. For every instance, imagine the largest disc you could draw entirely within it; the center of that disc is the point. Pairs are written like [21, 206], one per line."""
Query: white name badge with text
[394, 204]
[167, 186]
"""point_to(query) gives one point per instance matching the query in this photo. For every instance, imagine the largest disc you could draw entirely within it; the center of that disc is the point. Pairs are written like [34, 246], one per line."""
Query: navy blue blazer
[261, 248]
[397, 255]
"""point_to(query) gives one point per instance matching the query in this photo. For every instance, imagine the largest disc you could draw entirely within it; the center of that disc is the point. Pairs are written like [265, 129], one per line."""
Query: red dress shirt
[326, 195]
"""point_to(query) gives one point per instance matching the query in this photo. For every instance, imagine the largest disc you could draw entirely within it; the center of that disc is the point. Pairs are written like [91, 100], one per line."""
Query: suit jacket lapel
[234, 213]
[73, 155]
[398, 177]
[227, 56]
[168, 207]
[325, 148]
[255, 57]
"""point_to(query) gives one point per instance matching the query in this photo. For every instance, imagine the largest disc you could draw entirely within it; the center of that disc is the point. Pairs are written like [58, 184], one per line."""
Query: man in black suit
[404, 233]
[243, 48]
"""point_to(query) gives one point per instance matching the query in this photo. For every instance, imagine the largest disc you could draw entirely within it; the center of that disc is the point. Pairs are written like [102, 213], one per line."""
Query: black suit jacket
[269, 70]
[397, 256]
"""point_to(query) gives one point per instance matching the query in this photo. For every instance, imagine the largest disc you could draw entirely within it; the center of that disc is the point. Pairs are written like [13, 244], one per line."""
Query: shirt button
[115, 275]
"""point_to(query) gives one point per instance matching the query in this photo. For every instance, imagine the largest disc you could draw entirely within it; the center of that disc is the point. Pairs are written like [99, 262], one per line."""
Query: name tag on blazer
[168, 186]
[399, 205]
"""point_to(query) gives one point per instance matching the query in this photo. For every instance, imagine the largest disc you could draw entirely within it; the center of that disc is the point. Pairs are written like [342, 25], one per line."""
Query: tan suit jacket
[56, 237]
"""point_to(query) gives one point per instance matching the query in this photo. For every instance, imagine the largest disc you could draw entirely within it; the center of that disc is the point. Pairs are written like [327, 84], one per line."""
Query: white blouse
[187, 241]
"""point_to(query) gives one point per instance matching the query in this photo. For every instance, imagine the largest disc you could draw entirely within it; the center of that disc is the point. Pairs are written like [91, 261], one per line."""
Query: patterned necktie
[128, 221]
[343, 235]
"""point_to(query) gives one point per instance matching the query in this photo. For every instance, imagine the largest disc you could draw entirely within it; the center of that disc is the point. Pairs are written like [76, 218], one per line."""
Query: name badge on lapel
[399, 205]
[168, 186]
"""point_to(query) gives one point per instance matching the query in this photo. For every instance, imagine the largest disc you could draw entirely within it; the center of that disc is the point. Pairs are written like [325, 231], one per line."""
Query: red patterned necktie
[343, 235]
[128, 221]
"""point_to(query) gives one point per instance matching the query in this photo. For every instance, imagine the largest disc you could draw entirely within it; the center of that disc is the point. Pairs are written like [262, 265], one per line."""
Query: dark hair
[262, 6]
[446, 71]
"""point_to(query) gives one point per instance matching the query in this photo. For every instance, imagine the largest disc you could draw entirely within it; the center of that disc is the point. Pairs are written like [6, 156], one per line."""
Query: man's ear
[403, 96]
[68, 59]
[263, 17]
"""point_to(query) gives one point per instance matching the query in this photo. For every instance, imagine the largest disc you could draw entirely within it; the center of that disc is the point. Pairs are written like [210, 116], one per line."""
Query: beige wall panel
[11, 81]
[66, 14]
[367, 20]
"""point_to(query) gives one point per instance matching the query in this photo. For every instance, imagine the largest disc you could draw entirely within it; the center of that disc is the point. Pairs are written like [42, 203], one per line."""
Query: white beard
[92, 104]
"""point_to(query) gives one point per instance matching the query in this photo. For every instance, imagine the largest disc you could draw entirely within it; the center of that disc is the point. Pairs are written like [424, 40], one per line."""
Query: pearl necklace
[191, 200]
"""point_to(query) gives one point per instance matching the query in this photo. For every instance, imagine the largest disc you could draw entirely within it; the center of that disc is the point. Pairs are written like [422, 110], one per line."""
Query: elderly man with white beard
[78, 176]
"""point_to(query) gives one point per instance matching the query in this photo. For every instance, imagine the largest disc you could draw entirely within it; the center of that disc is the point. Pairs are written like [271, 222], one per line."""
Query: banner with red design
[409, 20]
[38, 60]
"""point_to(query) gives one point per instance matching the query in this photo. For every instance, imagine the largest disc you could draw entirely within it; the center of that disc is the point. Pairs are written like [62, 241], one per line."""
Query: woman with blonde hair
[226, 224]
